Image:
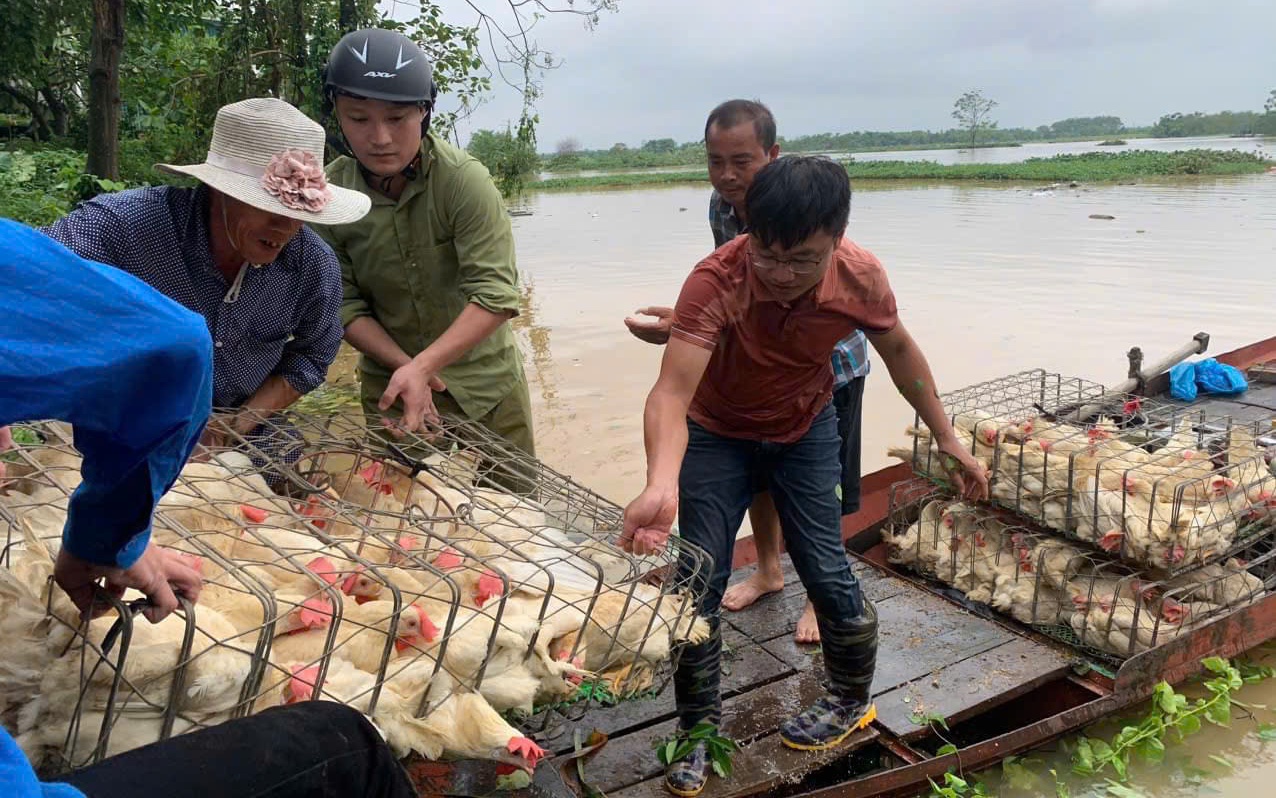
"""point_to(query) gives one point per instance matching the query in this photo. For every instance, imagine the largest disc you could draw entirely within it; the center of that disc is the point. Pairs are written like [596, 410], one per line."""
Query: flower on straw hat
[296, 178]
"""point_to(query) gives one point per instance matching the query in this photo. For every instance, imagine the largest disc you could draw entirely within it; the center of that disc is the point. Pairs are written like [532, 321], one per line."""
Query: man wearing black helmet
[429, 273]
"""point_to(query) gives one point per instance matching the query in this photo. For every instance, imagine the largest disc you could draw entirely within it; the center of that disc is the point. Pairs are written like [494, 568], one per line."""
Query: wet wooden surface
[932, 657]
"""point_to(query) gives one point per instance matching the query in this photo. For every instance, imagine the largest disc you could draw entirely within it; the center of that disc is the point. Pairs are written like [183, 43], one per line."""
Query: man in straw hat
[133, 372]
[430, 279]
[235, 250]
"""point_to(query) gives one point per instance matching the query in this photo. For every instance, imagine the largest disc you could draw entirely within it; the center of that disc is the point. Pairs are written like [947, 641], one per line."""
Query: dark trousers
[848, 401]
[315, 749]
[715, 487]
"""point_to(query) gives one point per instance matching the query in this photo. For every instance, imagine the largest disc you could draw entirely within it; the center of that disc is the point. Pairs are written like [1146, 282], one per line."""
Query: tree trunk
[347, 17]
[104, 88]
[61, 117]
[39, 125]
[301, 54]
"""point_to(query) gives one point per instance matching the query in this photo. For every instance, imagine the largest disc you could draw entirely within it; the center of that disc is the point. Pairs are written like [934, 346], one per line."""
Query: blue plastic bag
[1183, 382]
[1210, 376]
[1215, 377]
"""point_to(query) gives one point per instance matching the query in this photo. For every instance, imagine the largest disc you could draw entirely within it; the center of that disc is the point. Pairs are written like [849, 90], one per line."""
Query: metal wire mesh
[1154, 484]
[1107, 609]
[443, 586]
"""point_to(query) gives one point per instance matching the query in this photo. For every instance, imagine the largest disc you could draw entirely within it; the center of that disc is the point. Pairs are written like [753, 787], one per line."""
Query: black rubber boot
[850, 655]
[696, 684]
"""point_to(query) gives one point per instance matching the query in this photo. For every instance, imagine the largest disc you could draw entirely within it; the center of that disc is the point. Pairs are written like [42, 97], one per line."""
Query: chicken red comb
[371, 473]
[347, 584]
[301, 687]
[447, 559]
[489, 586]
[255, 515]
[521, 746]
[315, 612]
[428, 630]
[323, 568]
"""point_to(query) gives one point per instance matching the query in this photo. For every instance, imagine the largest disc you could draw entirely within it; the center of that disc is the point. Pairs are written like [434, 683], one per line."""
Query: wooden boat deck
[933, 657]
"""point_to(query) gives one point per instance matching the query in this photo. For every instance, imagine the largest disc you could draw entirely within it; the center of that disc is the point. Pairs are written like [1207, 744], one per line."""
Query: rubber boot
[696, 684]
[850, 654]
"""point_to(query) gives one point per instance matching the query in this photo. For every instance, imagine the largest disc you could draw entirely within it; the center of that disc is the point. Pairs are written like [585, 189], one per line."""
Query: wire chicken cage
[1107, 609]
[1159, 485]
[452, 588]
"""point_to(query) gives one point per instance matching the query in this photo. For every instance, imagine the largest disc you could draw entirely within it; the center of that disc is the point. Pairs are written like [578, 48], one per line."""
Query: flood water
[990, 280]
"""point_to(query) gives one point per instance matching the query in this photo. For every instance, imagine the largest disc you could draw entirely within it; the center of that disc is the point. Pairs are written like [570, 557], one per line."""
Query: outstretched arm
[649, 518]
[131, 370]
[911, 374]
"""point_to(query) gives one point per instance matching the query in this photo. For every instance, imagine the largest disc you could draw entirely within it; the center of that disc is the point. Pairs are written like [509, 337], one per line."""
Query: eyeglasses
[798, 266]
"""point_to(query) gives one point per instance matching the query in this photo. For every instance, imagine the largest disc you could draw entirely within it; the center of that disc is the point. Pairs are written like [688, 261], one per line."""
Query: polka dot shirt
[285, 319]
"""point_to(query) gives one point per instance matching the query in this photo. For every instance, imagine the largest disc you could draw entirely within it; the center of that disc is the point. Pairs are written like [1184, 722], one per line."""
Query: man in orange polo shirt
[744, 396]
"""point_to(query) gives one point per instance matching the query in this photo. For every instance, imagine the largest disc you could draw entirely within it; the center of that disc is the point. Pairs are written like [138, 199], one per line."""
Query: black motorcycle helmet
[379, 64]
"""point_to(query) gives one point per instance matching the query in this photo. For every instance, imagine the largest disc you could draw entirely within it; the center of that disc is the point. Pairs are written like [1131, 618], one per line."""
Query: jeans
[314, 749]
[715, 487]
[848, 401]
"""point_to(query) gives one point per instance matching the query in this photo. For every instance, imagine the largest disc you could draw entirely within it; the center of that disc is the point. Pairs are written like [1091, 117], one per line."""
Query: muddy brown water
[990, 280]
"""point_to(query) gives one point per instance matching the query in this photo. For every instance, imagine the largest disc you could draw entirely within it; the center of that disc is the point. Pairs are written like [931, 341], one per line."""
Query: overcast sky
[656, 68]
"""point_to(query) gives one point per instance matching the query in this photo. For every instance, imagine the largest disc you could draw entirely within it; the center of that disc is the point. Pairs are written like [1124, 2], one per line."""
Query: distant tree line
[666, 152]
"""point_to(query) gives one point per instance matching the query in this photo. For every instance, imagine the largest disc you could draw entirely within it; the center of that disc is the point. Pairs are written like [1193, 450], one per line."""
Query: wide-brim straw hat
[252, 136]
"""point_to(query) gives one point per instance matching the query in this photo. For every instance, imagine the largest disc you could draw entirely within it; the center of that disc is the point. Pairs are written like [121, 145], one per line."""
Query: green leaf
[1219, 712]
[1017, 775]
[946, 749]
[1151, 749]
[1102, 751]
[719, 769]
[1267, 732]
[1195, 775]
[1215, 664]
[1118, 764]
[1188, 724]
[1222, 760]
[1060, 788]
[1163, 696]
[942, 792]
[1083, 758]
[956, 782]
[1122, 791]
[668, 751]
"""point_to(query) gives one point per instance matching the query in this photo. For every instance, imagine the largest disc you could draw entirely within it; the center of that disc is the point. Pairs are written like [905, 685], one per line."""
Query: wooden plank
[763, 765]
[777, 615]
[917, 633]
[631, 758]
[1259, 394]
[964, 688]
[1242, 412]
[748, 667]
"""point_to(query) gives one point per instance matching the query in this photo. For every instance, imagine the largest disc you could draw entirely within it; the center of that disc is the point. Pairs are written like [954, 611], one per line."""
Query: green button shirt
[415, 263]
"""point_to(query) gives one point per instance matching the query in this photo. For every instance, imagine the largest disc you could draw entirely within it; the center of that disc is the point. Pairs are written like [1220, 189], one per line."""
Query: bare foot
[808, 630]
[750, 590]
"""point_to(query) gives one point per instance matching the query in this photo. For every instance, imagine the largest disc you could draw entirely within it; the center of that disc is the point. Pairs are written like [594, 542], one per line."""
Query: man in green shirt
[429, 274]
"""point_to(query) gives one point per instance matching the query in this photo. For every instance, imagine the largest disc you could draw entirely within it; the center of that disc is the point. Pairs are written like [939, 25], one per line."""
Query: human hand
[652, 331]
[648, 521]
[968, 475]
[159, 574]
[415, 387]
